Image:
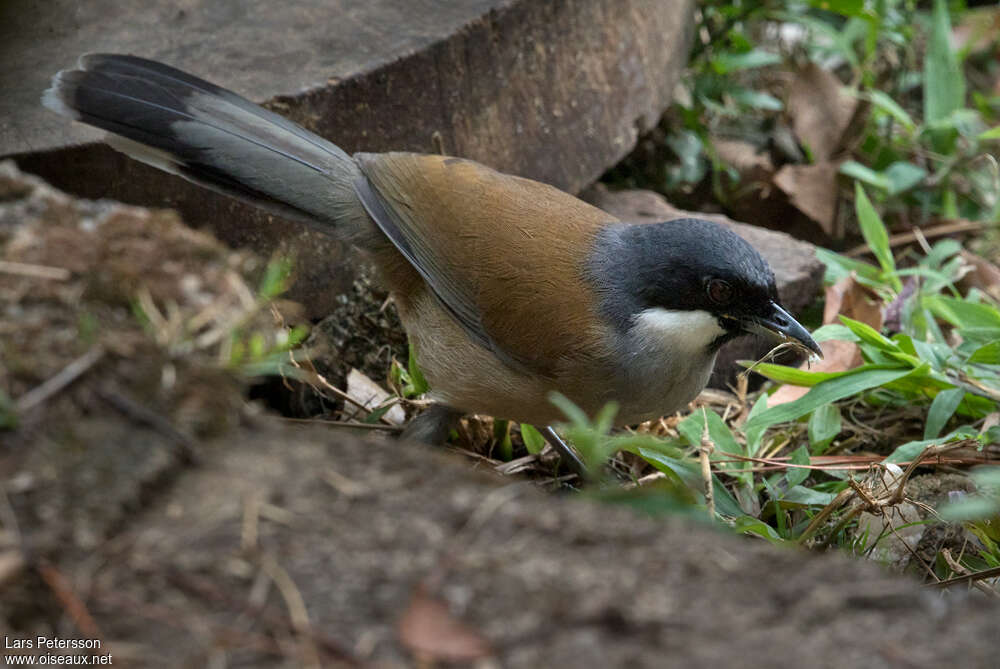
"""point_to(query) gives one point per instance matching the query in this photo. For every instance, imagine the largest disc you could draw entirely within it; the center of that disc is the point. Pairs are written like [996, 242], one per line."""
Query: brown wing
[505, 255]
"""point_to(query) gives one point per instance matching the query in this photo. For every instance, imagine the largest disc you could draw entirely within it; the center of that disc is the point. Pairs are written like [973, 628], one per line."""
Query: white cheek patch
[687, 331]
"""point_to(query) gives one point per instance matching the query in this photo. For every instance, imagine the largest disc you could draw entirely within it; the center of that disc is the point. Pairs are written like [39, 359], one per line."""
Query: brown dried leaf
[813, 191]
[849, 298]
[976, 29]
[744, 157]
[820, 110]
[429, 631]
[984, 275]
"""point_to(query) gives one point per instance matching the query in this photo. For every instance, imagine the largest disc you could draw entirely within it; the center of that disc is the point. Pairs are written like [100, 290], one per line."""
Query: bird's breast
[665, 360]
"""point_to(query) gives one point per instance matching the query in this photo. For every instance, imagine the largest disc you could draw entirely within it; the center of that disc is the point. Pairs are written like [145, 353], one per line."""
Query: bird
[509, 289]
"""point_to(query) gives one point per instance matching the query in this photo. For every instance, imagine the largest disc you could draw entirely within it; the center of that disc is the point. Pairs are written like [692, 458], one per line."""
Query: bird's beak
[777, 322]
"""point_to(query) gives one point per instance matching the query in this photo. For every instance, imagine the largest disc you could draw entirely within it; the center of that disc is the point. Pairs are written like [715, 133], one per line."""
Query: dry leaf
[820, 110]
[813, 191]
[745, 158]
[984, 275]
[849, 298]
[370, 395]
[429, 631]
[976, 29]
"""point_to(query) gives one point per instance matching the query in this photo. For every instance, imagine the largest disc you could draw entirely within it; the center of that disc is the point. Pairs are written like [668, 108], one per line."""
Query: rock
[143, 503]
[552, 91]
[301, 523]
[112, 291]
[797, 271]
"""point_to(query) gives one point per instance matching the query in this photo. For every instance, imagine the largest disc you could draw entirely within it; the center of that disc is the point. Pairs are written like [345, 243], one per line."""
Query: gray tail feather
[211, 136]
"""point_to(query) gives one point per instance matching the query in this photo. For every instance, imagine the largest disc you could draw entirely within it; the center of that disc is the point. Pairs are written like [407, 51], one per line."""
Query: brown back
[511, 248]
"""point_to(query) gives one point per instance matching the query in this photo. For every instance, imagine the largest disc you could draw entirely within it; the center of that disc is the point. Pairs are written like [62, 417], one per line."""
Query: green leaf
[838, 267]
[992, 133]
[834, 332]
[501, 433]
[986, 355]
[375, 415]
[418, 384]
[277, 276]
[577, 417]
[962, 313]
[533, 439]
[852, 383]
[795, 376]
[856, 170]
[971, 507]
[944, 80]
[910, 450]
[942, 408]
[903, 176]
[755, 526]
[875, 234]
[842, 7]
[796, 475]
[727, 61]
[756, 99]
[807, 496]
[759, 407]
[892, 108]
[690, 472]
[870, 335]
[987, 476]
[824, 425]
[692, 427]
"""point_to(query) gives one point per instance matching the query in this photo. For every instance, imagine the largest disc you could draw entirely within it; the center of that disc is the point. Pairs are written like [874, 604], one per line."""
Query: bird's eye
[720, 291]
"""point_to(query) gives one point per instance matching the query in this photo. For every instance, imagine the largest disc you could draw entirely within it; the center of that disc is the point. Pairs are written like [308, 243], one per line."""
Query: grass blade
[862, 379]
[942, 408]
[874, 232]
[944, 81]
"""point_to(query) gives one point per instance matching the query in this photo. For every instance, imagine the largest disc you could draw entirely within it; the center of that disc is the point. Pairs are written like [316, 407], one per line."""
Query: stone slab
[362, 533]
[797, 271]
[279, 544]
[554, 91]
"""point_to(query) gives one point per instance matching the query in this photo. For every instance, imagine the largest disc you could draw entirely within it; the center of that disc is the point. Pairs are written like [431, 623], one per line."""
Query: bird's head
[693, 280]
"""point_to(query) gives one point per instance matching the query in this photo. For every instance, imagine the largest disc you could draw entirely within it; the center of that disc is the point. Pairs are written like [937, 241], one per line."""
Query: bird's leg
[432, 426]
[566, 452]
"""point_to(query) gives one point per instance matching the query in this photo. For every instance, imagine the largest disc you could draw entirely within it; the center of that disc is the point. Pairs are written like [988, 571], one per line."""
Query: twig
[844, 462]
[143, 416]
[73, 605]
[957, 567]
[207, 589]
[824, 513]
[314, 378]
[345, 423]
[648, 478]
[705, 451]
[904, 238]
[34, 271]
[54, 384]
[296, 608]
[909, 548]
[975, 576]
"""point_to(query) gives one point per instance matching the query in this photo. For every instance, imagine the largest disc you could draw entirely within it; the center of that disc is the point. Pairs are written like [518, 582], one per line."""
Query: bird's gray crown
[669, 265]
